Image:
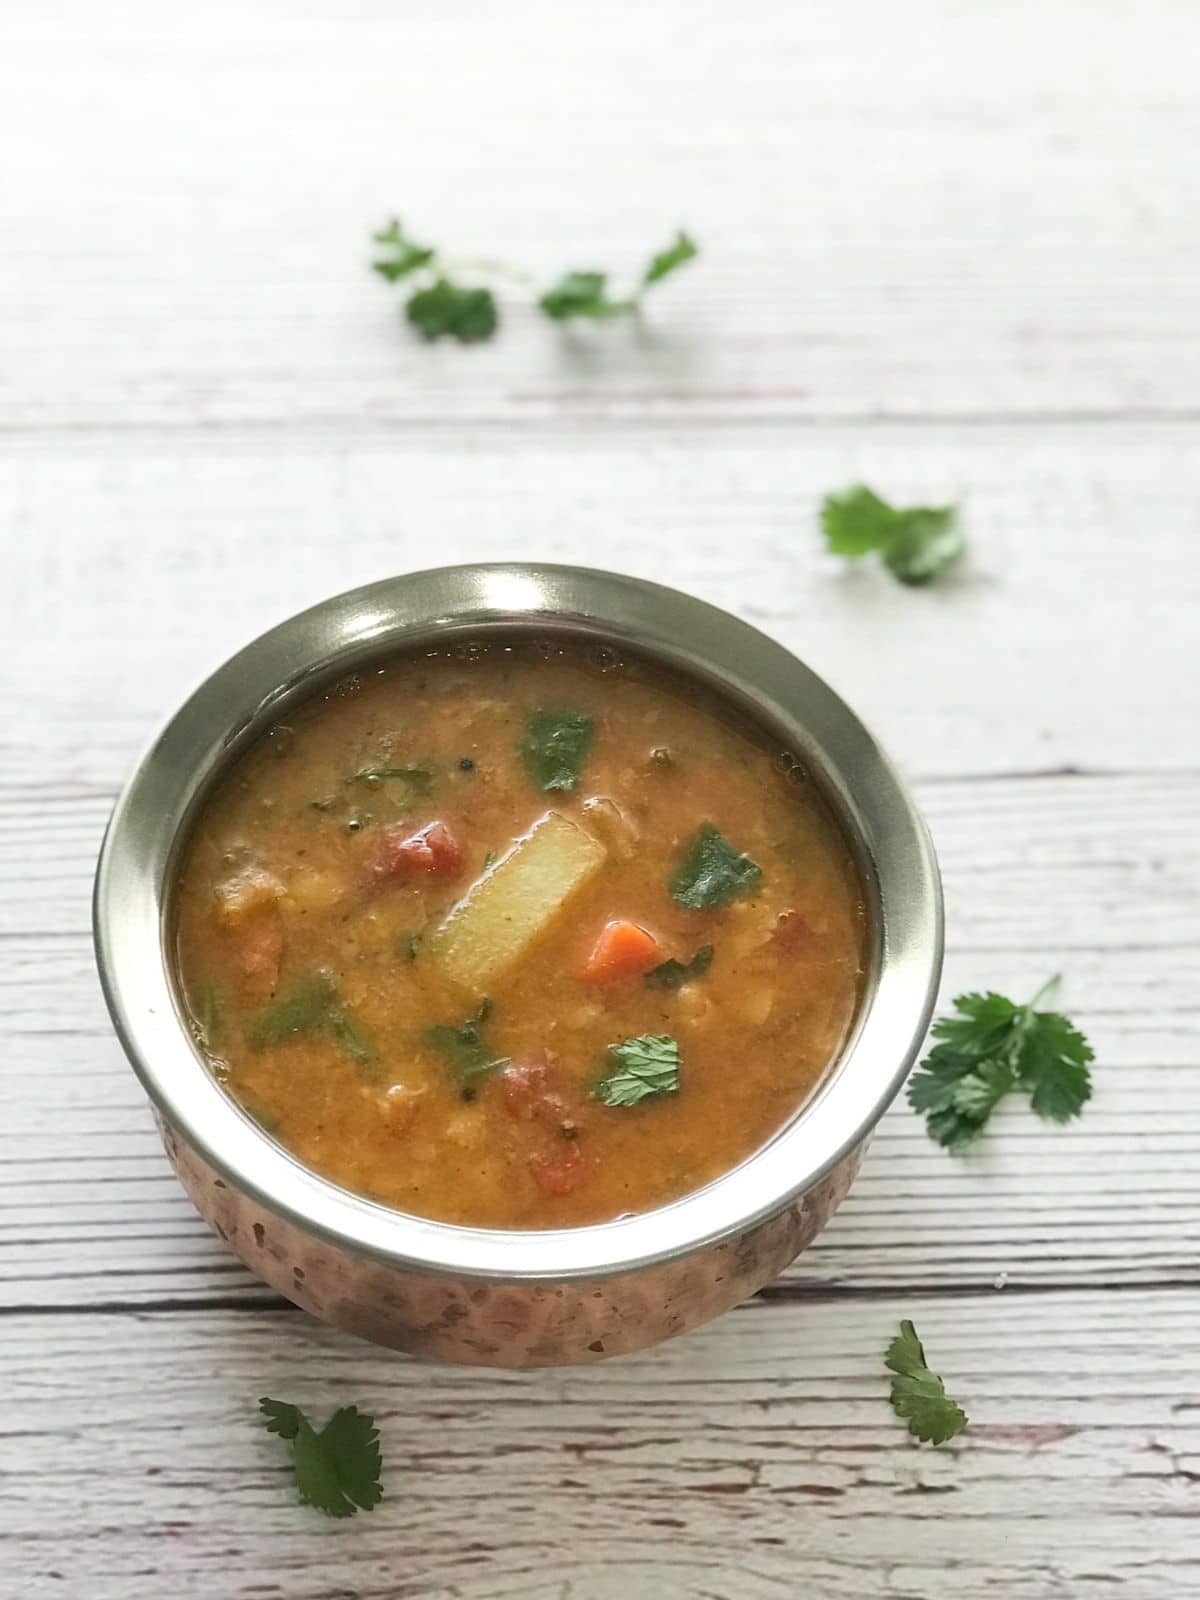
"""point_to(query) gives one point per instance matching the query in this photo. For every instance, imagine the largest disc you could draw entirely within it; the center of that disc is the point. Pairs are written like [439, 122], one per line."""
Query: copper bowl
[507, 1297]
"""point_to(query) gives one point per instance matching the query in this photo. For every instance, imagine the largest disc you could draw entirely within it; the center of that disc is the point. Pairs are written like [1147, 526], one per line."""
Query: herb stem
[1047, 988]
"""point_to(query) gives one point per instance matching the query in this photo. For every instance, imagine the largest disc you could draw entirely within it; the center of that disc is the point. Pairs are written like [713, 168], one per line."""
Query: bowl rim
[283, 665]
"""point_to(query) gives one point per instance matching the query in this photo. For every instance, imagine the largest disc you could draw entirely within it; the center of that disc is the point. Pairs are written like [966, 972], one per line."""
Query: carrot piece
[622, 950]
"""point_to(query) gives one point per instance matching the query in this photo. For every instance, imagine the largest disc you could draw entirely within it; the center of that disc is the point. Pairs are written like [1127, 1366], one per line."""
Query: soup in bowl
[518, 958]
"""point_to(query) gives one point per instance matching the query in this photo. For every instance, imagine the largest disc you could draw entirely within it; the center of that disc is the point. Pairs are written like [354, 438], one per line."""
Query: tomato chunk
[560, 1172]
[792, 932]
[530, 1094]
[260, 952]
[400, 857]
[622, 950]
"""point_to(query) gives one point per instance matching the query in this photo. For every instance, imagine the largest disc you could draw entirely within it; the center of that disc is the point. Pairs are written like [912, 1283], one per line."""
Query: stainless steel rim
[250, 690]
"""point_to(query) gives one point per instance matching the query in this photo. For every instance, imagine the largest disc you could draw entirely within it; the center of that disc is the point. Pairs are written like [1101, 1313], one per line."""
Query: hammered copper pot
[490, 1296]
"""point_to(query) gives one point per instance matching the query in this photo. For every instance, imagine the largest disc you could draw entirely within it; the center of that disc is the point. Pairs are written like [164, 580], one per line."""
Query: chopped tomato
[560, 1172]
[792, 932]
[260, 952]
[399, 857]
[400, 1107]
[247, 894]
[622, 950]
[530, 1095]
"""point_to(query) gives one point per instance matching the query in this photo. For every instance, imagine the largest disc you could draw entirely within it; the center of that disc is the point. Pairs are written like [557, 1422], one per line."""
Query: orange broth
[336, 990]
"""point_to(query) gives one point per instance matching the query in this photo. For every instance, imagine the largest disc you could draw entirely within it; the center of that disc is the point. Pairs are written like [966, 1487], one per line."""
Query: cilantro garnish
[463, 1049]
[645, 1066]
[337, 1470]
[917, 544]
[674, 974]
[919, 1396]
[585, 294]
[712, 872]
[468, 315]
[311, 1006]
[991, 1048]
[555, 746]
[439, 306]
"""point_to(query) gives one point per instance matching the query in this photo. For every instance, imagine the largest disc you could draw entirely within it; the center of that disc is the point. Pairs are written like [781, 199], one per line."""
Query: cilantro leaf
[446, 309]
[681, 249]
[919, 1396]
[647, 1065]
[304, 1009]
[1053, 1067]
[582, 294]
[407, 257]
[337, 1470]
[917, 544]
[989, 1049]
[674, 974]
[712, 872]
[463, 1049]
[554, 748]
[312, 1006]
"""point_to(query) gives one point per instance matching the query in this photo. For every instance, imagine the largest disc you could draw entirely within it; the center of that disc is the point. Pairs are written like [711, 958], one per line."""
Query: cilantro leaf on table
[338, 1469]
[439, 307]
[991, 1048]
[555, 747]
[682, 248]
[406, 255]
[919, 1396]
[712, 872]
[582, 294]
[585, 294]
[674, 974]
[917, 544]
[446, 309]
[647, 1065]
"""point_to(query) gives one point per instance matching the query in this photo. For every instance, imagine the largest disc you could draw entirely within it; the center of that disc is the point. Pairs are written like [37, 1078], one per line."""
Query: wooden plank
[904, 211]
[1065, 640]
[756, 1458]
[1041, 874]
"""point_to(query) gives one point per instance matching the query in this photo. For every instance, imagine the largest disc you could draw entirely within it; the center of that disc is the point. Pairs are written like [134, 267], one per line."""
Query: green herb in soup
[674, 974]
[645, 1067]
[555, 745]
[712, 873]
[668, 931]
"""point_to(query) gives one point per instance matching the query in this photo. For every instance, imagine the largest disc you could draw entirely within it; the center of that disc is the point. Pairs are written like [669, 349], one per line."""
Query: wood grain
[937, 210]
[1064, 641]
[754, 1459]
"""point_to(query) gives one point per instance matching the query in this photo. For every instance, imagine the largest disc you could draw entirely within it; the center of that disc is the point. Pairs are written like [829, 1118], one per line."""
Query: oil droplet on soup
[519, 935]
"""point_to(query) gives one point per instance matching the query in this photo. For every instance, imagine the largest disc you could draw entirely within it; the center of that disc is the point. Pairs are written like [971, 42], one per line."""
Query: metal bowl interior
[253, 689]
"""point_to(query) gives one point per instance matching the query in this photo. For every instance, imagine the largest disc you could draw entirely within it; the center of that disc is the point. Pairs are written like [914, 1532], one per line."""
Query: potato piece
[488, 931]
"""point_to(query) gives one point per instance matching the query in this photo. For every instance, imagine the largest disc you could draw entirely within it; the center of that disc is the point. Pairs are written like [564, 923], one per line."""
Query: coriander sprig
[441, 307]
[919, 1396]
[337, 1470]
[991, 1048]
[917, 544]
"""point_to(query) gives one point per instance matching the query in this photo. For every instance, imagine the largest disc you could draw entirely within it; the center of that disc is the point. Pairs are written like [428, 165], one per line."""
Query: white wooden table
[950, 248]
